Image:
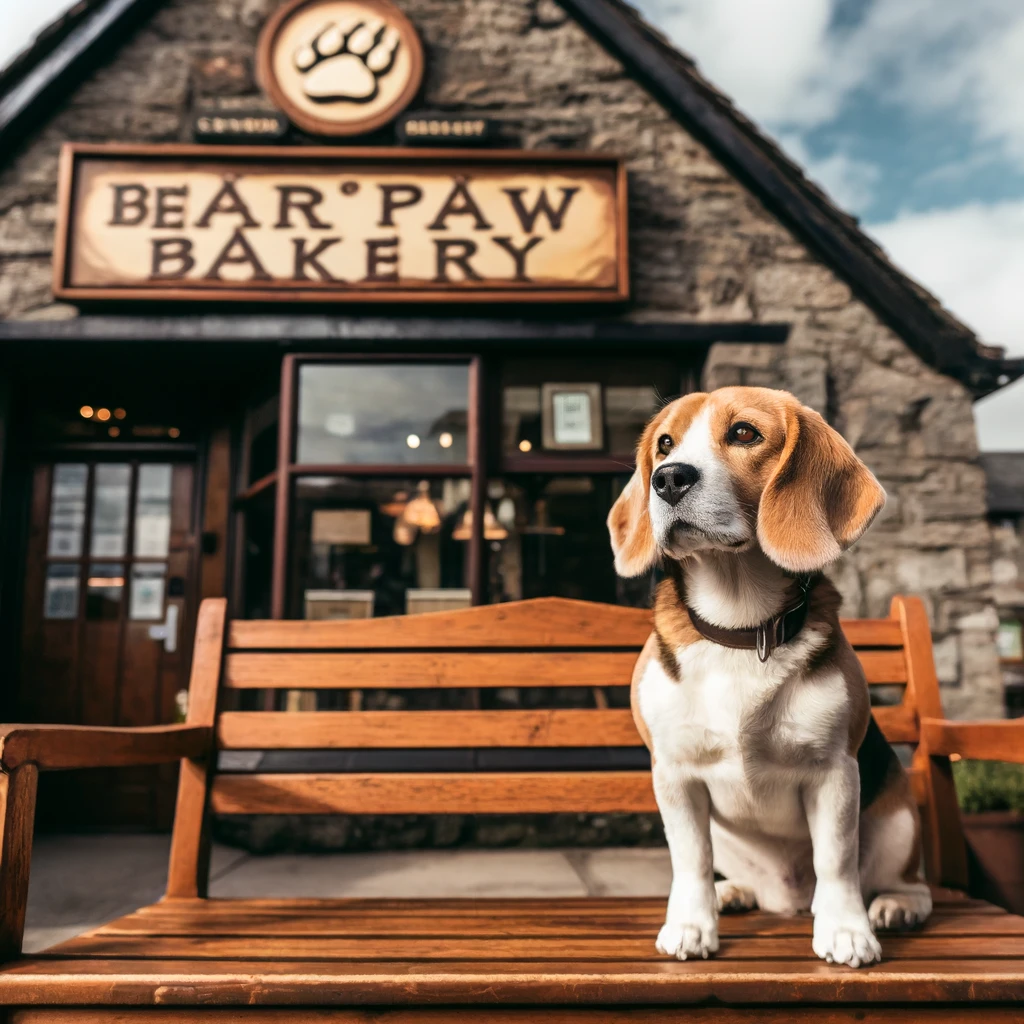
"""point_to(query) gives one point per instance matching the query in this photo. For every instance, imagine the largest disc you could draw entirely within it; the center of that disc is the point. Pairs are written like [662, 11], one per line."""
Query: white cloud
[22, 22]
[788, 66]
[849, 181]
[973, 257]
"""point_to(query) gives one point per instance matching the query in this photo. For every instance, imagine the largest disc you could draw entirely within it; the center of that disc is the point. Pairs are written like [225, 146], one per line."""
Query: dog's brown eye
[743, 433]
[665, 444]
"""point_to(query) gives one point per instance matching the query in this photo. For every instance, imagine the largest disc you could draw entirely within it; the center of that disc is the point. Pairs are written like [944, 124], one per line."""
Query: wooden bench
[356, 961]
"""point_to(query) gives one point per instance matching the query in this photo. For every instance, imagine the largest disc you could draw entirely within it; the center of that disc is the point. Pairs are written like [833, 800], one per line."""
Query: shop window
[379, 546]
[391, 462]
[546, 537]
[382, 414]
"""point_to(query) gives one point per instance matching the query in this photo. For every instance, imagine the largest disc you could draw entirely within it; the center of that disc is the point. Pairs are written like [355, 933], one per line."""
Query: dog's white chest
[751, 731]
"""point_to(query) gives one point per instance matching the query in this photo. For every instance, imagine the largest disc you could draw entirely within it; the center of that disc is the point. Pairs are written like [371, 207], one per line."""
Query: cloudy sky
[910, 112]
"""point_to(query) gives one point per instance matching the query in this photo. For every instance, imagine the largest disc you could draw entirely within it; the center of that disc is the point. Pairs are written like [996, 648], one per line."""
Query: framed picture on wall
[572, 417]
[1010, 640]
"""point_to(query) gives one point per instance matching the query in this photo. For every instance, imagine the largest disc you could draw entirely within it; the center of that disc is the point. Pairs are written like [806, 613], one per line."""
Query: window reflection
[389, 413]
[556, 542]
[372, 547]
[60, 594]
[103, 590]
[67, 510]
[146, 599]
[110, 510]
[153, 511]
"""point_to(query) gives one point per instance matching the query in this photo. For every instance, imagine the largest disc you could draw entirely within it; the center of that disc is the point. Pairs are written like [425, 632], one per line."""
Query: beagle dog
[768, 768]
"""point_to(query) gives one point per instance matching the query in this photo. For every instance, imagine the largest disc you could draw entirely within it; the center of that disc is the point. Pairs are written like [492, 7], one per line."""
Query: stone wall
[702, 249]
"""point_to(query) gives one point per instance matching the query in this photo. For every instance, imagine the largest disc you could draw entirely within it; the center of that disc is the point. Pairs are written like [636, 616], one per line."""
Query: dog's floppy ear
[629, 522]
[819, 499]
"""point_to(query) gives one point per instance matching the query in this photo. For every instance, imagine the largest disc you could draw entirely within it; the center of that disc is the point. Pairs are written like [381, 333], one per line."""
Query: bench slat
[898, 723]
[340, 730]
[537, 623]
[427, 671]
[604, 792]
[71, 981]
[508, 920]
[382, 948]
[431, 670]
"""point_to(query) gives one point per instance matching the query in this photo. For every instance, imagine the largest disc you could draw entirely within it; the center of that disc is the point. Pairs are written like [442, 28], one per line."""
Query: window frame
[288, 470]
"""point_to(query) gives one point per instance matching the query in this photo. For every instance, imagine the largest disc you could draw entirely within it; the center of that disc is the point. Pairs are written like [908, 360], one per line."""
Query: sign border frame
[72, 152]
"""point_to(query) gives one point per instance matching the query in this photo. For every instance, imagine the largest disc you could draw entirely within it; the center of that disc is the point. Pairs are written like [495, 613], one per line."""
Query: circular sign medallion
[340, 67]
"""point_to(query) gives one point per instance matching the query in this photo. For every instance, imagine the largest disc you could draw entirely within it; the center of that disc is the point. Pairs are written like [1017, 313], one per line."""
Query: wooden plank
[872, 632]
[435, 792]
[53, 981]
[897, 722]
[87, 746]
[982, 741]
[537, 623]
[384, 948]
[189, 867]
[427, 671]
[17, 818]
[326, 730]
[824, 1014]
[883, 666]
[945, 852]
[431, 670]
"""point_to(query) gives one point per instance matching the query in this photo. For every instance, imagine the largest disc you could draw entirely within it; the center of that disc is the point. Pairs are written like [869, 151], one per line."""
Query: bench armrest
[86, 746]
[975, 741]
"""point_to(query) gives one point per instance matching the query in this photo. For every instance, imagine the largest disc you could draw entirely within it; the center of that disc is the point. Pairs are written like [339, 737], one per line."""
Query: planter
[995, 841]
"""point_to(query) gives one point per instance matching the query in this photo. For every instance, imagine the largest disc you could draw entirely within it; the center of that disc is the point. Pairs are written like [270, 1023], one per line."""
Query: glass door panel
[111, 491]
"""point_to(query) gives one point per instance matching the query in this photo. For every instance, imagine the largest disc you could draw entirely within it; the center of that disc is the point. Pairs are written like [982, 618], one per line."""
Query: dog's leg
[691, 920]
[842, 932]
[734, 897]
[890, 855]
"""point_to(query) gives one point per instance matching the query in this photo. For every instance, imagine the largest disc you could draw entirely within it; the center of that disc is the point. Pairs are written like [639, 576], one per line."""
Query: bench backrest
[582, 648]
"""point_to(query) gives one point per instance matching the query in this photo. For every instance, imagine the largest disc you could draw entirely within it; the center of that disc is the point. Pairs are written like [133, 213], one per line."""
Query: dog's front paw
[849, 942]
[688, 941]
[898, 910]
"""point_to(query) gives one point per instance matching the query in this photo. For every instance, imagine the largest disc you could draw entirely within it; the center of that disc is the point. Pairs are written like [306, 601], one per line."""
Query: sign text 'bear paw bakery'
[228, 224]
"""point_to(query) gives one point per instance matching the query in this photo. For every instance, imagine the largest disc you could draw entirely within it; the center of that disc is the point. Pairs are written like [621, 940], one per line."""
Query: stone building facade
[705, 249]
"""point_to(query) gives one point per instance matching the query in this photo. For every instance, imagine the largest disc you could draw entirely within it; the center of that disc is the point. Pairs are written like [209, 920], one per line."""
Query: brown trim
[327, 292]
[282, 505]
[395, 469]
[321, 126]
[264, 483]
[564, 464]
[478, 487]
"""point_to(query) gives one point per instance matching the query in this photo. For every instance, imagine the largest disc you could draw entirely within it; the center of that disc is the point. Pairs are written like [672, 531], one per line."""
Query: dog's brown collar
[766, 636]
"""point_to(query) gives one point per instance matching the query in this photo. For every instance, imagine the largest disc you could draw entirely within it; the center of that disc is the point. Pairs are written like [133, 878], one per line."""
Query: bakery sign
[337, 225]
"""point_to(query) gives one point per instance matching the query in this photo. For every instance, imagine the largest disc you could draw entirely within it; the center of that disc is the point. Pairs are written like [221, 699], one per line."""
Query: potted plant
[991, 798]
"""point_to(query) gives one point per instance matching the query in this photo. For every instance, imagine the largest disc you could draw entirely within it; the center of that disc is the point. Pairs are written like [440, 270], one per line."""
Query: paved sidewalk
[79, 882]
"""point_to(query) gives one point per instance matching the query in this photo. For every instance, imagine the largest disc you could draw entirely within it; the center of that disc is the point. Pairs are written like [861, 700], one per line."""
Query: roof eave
[937, 339]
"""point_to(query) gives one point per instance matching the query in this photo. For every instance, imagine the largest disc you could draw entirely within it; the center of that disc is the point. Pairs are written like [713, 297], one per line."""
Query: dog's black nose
[672, 481]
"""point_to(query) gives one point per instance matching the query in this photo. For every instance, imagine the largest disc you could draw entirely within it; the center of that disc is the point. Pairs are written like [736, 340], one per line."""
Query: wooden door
[108, 615]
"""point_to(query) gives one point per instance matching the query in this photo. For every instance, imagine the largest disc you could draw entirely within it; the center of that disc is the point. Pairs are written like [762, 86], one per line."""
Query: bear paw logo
[344, 62]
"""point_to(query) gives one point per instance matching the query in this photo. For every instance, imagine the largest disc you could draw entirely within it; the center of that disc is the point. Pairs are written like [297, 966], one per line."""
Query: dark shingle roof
[64, 53]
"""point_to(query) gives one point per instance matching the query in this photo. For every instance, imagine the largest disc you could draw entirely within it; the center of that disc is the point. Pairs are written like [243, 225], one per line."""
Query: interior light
[445, 440]
[174, 432]
[114, 431]
[86, 412]
[119, 414]
[413, 440]
[105, 581]
[103, 415]
[525, 446]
